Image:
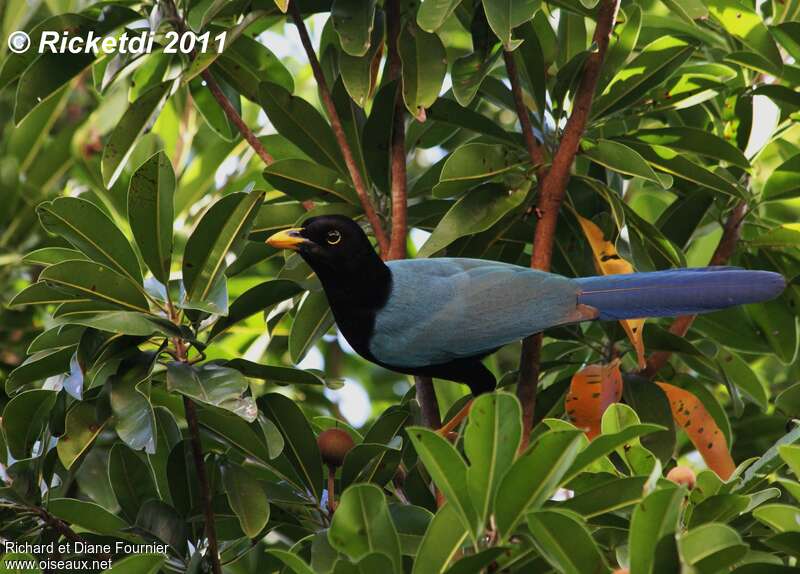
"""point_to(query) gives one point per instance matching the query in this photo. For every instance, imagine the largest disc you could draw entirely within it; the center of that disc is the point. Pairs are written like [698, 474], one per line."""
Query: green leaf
[443, 538]
[534, 477]
[246, 62]
[696, 141]
[352, 20]
[300, 123]
[38, 367]
[491, 440]
[779, 517]
[424, 67]
[18, 558]
[130, 403]
[254, 300]
[477, 211]
[24, 418]
[138, 564]
[50, 255]
[87, 515]
[622, 159]
[739, 373]
[247, 499]
[530, 60]
[302, 180]
[136, 118]
[786, 235]
[125, 322]
[433, 13]
[472, 164]
[131, 480]
[167, 436]
[369, 462]
[712, 547]
[779, 327]
[719, 508]
[312, 320]
[791, 455]
[292, 561]
[359, 74]
[87, 228]
[675, 163]
[222, 230]
[210, 110]
[505, 15]
[275, 374]
[654, 64]
[96, 281]
[622, 43]
[468, 73]
[653, 525]
[565, 542]
[741, 21]
[56, 338]
[448, 471]
[362, 525]
[151, 212]
[376, 140]
[300, 444]
[784, 182]
[42, 293]
[213, 385]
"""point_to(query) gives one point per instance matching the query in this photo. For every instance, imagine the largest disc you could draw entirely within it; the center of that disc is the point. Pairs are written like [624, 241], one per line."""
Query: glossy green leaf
[50, 255]
[88, 515]
[443, 538]
[565, 542]
[87, 228]
[622, 159]
[653, 525]
[82, 427]
[301, 124]
[448, 471]
[472, 164]
[120, 145]
[741, 21]
[131, 480]
[491, 440]
[300, 444]
[247, 499]
[779, 517]
[213, 385]
[96, 281]
[654, 64]
[476, 211]
[24, 418]
[359, 73]
[468, 73]
[39, 367]
[313, 320]
[302, 180]
[424, 66]
[362, 525]
[254, 300]
[246, 62]
[534, 477]
[275, 374]
[222, 230]
[352, 20]
[124, 322]
[151, 212]
[505, 15]
[292, 561]
[135, 420]
[622, 43]
[433, 13]
[694, 140]
[711, 547]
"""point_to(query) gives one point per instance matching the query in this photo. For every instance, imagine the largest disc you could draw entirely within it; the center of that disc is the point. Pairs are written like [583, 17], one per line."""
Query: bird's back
[443, 309]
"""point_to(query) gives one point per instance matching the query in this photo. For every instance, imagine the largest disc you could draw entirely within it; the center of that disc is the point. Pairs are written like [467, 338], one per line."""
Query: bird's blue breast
[443, 309]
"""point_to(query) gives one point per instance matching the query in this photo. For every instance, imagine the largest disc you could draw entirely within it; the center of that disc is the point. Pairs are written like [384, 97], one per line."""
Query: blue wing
[446, 308]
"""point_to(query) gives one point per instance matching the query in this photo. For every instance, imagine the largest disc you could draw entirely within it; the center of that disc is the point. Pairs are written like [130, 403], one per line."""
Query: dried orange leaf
[591, 391]
[692, 416]
[608, 262]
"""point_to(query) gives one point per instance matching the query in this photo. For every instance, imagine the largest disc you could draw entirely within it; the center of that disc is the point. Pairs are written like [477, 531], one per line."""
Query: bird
[441, 316]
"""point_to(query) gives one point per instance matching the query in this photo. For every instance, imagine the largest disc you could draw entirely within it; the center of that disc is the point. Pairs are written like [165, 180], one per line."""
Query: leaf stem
[338, 131]
[552, 187]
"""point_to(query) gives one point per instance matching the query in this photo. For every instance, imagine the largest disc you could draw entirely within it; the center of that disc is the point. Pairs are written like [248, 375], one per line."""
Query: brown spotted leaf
[691, 415]
[591, 391]
[608, 262]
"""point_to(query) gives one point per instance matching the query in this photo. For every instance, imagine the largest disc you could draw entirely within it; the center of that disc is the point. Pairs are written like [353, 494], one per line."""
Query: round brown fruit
[333, 445]
[621, 571]
[682, 475]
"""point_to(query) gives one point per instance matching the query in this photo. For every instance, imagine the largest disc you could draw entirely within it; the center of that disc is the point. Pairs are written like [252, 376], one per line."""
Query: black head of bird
[441, 316]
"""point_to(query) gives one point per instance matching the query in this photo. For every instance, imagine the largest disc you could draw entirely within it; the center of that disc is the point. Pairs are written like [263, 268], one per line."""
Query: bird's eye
[333, 237]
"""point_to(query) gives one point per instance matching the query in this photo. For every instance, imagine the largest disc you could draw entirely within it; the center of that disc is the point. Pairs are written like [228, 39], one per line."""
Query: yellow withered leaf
[608, 262]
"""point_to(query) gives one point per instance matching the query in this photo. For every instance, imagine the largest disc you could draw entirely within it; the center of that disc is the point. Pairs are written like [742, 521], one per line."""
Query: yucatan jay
[439, 317]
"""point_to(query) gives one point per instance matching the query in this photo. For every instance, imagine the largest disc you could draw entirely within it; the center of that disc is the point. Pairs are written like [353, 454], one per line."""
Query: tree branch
[397, 249]
[202, 479]
[534, 149]
[426, 397]
[723, 252]
[551, 193]
[341, 138]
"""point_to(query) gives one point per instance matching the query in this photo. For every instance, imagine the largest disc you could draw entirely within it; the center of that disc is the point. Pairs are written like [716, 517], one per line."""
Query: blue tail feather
[677, 291]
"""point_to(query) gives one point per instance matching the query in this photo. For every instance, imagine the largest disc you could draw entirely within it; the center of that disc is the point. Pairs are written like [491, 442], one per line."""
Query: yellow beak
[287, 239]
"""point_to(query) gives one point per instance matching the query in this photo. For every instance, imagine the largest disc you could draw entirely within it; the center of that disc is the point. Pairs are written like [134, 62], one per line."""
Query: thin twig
[338, 131]
[723, 252]
[397, 249]
[551, 193]
[534, 149]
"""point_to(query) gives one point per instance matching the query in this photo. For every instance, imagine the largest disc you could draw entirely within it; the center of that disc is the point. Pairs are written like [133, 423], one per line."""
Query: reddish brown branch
[338, 130]
[534, 149]
[723, 252]
[235, 118]
[397, 249]
[551, 193]
[426, 397]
